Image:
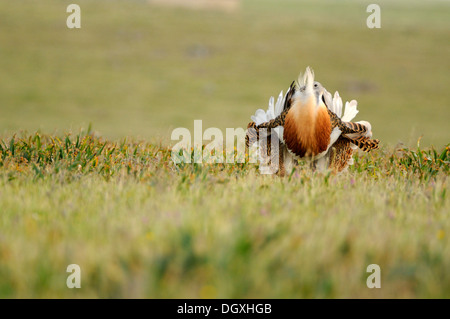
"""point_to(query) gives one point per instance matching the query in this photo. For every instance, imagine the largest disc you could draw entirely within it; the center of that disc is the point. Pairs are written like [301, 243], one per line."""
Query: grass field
[140, 70]
[139, 226]
[111, 200]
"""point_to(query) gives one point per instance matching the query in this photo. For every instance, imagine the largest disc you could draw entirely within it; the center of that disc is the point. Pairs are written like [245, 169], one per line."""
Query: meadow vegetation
[139, 70]
[140, 226]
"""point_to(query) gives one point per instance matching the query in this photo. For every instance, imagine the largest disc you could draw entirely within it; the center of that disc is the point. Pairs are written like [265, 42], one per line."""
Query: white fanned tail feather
[272, 112]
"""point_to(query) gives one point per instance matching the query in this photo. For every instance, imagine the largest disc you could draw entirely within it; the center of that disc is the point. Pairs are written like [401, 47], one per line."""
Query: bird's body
[310, 126]
[307, 128]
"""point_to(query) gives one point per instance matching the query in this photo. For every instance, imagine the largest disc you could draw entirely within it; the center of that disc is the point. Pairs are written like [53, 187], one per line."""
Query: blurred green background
[140, 69]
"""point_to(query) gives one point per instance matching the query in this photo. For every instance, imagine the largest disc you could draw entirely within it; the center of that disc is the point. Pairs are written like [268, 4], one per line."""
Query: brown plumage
[307, 129]
[341, 153]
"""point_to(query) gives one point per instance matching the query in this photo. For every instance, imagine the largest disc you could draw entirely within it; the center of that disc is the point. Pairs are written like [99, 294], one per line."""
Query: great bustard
[309, 125]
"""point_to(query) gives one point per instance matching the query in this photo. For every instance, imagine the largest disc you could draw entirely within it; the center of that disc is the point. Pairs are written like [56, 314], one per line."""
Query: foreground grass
[139, 226]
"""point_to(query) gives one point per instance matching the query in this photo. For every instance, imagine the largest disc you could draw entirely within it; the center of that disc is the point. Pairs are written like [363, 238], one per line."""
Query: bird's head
[307, 87]
[319, 92]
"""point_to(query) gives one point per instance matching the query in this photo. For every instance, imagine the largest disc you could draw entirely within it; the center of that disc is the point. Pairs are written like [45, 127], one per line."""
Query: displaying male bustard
[309, 125]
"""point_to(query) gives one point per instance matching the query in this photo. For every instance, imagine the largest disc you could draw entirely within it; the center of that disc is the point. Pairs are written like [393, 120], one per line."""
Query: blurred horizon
[141, 69]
